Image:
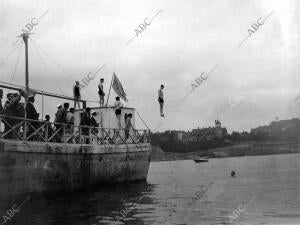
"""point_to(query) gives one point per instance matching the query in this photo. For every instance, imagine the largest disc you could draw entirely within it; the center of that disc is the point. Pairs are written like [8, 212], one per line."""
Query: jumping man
[161, 100]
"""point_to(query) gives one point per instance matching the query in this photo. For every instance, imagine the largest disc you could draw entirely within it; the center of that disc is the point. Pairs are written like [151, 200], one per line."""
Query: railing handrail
[66, 124]
[25, 129]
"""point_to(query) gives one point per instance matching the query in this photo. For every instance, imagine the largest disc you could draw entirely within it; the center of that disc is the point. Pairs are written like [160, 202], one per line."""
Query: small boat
[201, 159]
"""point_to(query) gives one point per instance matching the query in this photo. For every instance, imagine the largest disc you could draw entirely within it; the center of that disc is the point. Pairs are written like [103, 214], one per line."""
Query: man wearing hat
[32, 114]
[61, 117]
[8, 111]
[70, 120]
[48, 130]
[59, 106]
[94, 122]
[86, 121]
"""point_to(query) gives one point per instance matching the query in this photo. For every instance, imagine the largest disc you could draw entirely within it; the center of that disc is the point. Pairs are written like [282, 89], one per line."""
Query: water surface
[266, 189]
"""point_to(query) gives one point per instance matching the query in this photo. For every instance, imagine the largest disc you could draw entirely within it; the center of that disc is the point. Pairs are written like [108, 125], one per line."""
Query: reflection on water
[265, 190]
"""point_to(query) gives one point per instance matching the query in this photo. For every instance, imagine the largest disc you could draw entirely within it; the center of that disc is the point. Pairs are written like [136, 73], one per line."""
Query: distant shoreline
[245, 149]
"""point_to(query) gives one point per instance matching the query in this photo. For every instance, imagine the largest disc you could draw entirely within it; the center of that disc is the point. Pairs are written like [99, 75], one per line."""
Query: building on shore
[202, 134]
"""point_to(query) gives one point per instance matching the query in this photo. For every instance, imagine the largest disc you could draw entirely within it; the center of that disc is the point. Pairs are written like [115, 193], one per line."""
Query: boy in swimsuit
[118, 110]
[101, 92]
[161, 100]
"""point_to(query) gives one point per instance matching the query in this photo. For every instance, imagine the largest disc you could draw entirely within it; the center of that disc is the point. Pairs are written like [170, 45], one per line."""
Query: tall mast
[25, 39]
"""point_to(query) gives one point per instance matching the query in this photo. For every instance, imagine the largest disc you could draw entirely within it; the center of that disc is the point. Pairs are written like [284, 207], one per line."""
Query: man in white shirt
[70, 120]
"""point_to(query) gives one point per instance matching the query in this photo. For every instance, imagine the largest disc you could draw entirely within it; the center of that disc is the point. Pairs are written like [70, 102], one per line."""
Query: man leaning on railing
[1, 107]
[32, 114]
[12, 108]
[48, 129]
[86, 122]
[70, 120]
[1, 96]
[61, 118]
[128, 125]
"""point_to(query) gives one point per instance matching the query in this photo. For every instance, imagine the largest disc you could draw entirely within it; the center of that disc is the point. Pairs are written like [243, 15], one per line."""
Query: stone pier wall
[28, 167]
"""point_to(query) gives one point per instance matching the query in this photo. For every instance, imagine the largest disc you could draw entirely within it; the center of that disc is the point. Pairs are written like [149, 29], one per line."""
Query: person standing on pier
[59, 106]
[32, 114]
[94, 123]
[77, 96]
[1, 107]
[101, 92]
[70, 120]
[61, 118]
[86, 123]
[63, 113]
[48, 130]
[118, 110]
[13, 108]
[161, 100]
[1, 96]
[128, 125]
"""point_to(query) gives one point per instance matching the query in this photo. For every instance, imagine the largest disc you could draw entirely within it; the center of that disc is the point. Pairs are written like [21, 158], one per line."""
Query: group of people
[101, 93]
[77, 94]
[127, 117]
[14, 109]
[118, 104]
[64, 114]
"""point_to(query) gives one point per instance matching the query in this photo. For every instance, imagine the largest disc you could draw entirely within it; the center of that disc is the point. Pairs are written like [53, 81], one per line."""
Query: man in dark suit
[86, 121]
[94, 122]
[61, 117]
[48, 130]
[12, 108]
[32, 114]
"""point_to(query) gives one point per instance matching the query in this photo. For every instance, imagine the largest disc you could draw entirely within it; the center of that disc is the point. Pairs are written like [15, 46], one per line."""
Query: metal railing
[45, 131]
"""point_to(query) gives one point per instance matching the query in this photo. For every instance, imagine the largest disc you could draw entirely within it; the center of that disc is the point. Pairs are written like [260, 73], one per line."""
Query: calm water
[266, 189]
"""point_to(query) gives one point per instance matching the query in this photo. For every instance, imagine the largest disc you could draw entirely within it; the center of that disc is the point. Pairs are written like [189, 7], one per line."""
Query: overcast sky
[260, 78]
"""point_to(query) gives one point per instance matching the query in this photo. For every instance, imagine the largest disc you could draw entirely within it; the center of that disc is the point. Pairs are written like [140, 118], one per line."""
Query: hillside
[249, 149]
[183, 142]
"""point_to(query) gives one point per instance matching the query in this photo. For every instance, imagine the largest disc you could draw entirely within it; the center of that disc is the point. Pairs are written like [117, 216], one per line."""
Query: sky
[250, 85]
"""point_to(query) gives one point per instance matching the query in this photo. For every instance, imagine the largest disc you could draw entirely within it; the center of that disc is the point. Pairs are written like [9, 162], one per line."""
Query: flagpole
[109, 90]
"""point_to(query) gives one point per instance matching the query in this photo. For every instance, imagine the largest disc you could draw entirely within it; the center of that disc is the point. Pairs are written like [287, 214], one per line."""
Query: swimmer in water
[232, 173]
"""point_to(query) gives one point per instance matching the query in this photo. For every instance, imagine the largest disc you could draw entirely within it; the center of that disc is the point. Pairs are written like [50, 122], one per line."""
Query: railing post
[136, 136]
[80, 134]
[149, 136]
[24, 130]
[89, 137]
[114, 136]
[46, 131]
[63, 133]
